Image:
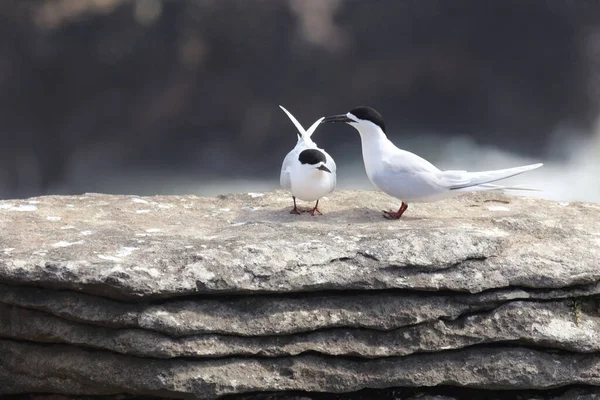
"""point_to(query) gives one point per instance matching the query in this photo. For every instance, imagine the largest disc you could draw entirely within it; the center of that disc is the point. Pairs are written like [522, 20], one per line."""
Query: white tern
[408, 177]
[308, 172]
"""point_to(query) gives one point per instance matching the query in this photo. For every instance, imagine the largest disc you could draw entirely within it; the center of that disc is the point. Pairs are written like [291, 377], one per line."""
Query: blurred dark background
[181, 96]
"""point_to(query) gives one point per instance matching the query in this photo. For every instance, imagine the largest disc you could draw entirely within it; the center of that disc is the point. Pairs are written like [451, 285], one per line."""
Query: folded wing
[456, 180]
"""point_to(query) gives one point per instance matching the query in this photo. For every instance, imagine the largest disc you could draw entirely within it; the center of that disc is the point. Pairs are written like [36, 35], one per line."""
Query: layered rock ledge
[190, 297]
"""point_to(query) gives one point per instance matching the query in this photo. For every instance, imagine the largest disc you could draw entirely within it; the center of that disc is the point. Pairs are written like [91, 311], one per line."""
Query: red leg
[295, 210]
[396, 214]
[315, 211]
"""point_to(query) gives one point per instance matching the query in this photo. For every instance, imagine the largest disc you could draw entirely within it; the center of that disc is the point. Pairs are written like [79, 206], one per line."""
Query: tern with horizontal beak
[408, 177]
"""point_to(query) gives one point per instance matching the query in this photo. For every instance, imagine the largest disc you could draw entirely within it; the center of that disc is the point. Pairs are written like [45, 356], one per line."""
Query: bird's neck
[373, 140]
[374, 145]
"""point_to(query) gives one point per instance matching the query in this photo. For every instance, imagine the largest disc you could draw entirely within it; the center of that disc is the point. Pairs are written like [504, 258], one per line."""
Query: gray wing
[456, 180]
[284, 177]
[404, 161]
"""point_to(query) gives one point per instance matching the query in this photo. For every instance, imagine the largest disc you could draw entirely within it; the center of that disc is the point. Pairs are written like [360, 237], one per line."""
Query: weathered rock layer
[199, 298]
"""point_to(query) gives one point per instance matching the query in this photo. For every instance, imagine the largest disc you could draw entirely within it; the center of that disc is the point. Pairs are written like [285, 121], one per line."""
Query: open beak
[337, 118]
[323, 168]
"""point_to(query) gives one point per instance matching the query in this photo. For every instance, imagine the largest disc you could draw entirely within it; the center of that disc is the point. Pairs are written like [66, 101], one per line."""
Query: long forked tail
[491, 186]
[464, 181]
[303, 134]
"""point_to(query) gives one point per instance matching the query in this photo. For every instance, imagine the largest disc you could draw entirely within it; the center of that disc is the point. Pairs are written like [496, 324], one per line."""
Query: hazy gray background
[161, 97]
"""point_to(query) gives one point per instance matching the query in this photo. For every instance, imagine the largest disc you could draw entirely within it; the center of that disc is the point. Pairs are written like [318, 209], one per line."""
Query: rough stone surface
[193, 297]
[537, 324]
[587, 393]
[47, 369]
[129, 247]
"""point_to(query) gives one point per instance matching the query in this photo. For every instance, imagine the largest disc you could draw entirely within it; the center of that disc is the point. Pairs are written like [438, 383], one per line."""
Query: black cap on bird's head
[358, 114]
[314, 158]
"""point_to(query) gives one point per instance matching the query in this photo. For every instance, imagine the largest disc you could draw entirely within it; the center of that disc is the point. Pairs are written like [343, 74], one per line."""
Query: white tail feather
[491, 186]
[313, 127]
[303, 134]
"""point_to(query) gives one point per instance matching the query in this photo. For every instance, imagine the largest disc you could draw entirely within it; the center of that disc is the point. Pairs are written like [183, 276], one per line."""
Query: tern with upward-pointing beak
[307, 171]
[408, 177]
